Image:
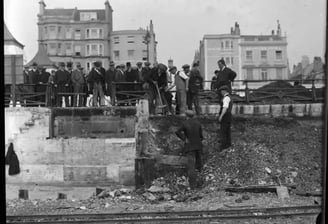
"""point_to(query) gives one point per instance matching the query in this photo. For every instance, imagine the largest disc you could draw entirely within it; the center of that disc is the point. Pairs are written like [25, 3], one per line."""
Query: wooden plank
[257, 188]
[310, 194]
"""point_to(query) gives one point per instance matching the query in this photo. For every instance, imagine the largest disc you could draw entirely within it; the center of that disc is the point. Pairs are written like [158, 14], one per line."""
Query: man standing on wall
[62, 81]
[225, 117]
[195, 84]
[181, 80]
[109, 78]
[192, 135]
[97, 80]
[78, 86]
[225, 77]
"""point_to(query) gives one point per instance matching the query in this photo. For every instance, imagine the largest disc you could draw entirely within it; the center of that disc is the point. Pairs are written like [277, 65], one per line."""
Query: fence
[128, 93]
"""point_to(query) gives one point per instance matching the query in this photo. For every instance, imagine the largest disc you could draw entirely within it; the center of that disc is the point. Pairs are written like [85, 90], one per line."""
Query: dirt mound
[282, 145]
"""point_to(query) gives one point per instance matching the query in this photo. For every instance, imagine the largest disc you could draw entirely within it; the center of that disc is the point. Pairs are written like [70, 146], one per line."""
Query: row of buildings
[86, 36]
[253, 57]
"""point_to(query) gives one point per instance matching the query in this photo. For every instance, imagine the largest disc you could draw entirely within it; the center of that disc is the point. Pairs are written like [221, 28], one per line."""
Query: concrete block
[119, 151]
[127, 175]
[276, 110]
[247, 109]
[85, 173]
[307, 110]
[298, 110]
[234, 109]
[23, 194]
[37, 174]
[316, 109]
[143, 108]
[112, 172]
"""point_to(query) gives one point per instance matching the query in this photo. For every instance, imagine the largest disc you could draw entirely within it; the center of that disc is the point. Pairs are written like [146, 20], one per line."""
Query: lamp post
[147, 41]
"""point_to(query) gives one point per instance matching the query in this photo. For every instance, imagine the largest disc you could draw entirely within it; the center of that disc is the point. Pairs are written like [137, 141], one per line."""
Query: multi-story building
[86, 36]
[133, 45]
[253, 57]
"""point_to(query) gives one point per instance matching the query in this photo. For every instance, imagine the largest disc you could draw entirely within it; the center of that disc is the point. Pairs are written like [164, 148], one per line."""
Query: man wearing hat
[225, 117]
[34, 73]
[132, 77]
[225, 76]
[96, 79]
[41, 85]
[120, 77]
[26, 74]
[195, 84]
[78, 83]
[69, 68]
[62, 80]
[181, 80]
[191, 133]
[109, 78]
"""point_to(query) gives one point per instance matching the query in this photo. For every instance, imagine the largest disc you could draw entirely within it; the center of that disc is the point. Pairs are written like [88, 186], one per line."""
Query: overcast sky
[180, 24]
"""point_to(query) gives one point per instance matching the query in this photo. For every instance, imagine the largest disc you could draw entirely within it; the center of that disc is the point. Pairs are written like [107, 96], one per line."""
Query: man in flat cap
[191, 133]
[120, 77]
[96, 78]
[195, 85]
[225, 76]
[225, 117]
[109, 78]
[181, 80]
[78, 82]
[62, 80]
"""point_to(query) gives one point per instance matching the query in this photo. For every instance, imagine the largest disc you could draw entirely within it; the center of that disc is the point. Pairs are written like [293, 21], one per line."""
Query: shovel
[161, 106]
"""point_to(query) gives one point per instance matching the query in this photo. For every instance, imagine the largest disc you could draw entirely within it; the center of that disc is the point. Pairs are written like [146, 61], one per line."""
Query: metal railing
[128, 93]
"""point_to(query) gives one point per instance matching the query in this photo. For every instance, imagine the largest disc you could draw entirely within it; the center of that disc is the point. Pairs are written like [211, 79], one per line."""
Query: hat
[226, 88]
[216, 71]
[147, 63]
[185, 66]
[172, 68]
[122, 65]
[111, 63]
[222, 61]
[69, 64]
[139, 63]
[128, 64]
[61, 64]
[162, 67]
[34, 64]
[97, 64]
[189, 113]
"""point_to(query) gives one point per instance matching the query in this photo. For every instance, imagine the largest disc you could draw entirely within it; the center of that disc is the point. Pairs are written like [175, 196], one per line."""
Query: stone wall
[69, 160]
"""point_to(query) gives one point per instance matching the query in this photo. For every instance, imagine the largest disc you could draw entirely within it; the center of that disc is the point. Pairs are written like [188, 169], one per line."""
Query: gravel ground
[290, 148]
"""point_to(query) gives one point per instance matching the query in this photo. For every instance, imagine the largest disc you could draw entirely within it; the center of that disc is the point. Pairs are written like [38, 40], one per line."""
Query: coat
[12, 161]
[225, 77]
[191, 132]
[195, 80]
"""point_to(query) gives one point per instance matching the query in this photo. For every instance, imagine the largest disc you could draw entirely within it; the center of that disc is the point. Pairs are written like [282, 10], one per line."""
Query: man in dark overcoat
[192, 135]
[62, 80]
[42, 82]
[195, 84]
[97, 80]
[226, 76]
[109, 78]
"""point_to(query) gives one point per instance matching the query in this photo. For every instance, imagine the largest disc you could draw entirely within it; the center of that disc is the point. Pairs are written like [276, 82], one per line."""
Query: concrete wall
[72, 160]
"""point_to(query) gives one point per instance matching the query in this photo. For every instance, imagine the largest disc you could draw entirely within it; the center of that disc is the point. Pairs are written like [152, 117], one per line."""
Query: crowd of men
[69, 84]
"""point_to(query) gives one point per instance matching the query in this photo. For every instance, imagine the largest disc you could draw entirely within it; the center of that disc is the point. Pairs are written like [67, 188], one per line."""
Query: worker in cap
[225, 117]
[69, 64]
[147, 63]
[139, 63]
[111, 63]
[195, 84]
[191, 133]
[186, 66]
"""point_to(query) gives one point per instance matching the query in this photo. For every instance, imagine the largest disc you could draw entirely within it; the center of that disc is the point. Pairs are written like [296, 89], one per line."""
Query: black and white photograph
[154, 111]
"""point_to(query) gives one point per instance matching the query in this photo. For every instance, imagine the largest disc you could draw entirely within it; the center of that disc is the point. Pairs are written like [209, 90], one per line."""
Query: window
[144, 55]
[232, 60]
[264, 74]
[59, 48]
[101, 33]
[279, 55]
[77, 50]
[249, 55]
[59, 30]
[264, 55]
[52, 32]
[130, 54]
[77, 34]
[93, 33]
[68, 33]
[279, 73]
[68, 49]
[130, 39]
[52, 48]
[222, 45]
[227, 43]
[227, 60]
[86, 16]
[94, 50]
[116, 40]
[231, 44]
[45, 32]
[249, 74]
[116, 55]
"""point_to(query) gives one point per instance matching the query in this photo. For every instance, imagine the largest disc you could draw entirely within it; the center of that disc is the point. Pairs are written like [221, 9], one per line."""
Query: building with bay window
[86, 35]
[252, 57]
